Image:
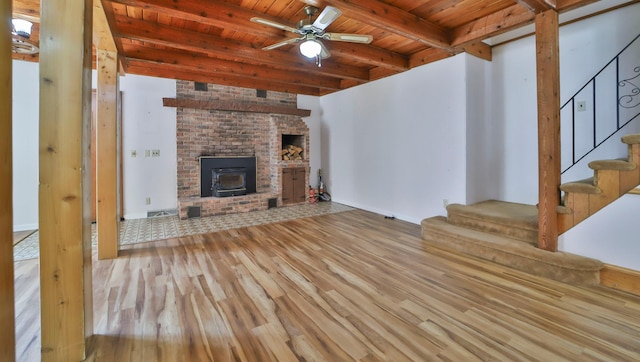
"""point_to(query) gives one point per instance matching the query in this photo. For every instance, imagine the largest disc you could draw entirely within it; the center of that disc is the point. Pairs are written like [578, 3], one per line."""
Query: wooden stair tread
[585, 186]
[619, 165]
[561, 266]
[508, 219]
[631, 139]
[526, 215]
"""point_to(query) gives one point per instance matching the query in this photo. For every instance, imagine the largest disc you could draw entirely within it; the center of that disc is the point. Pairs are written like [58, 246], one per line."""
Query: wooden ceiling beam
[395, 20]
[175, 60]
[566, 5]
[537, 6]
[427, 56]
[27, 9]
[230, 50]
[154, 70]
[479, 49]
[491, 25]
[216, 13]
[369, 54]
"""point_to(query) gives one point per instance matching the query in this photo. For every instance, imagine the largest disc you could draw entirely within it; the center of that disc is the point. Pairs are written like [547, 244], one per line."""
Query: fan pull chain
[319, 61]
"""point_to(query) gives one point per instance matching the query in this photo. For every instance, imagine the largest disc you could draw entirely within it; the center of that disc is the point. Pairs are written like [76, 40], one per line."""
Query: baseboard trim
[25, 227]
[620, 278]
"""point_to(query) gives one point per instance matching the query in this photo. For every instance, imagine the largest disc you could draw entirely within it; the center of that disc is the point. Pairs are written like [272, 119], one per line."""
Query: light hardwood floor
[338, 287]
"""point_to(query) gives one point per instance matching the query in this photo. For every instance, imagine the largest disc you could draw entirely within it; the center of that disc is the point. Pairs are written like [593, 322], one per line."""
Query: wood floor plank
[340, 287]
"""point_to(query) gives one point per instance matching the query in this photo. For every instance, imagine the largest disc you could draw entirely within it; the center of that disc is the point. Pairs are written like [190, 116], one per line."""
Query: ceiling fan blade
[326, 17]
[282, 43]
[324, 52]
[275, 25]
[352, 38]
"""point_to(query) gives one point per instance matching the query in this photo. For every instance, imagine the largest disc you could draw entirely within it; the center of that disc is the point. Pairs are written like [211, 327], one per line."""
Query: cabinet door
[287, 186]
[294, 185]
[299, 185]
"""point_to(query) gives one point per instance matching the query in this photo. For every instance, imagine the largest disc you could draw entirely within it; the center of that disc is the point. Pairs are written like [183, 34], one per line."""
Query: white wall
[315, 139]
[147, 125]
[397, 146]
[25, 124]
[481, 150]
[585, 47]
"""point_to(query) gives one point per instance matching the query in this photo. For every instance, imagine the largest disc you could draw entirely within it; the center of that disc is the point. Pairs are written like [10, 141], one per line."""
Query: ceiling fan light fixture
[310, 48]
[21, 27]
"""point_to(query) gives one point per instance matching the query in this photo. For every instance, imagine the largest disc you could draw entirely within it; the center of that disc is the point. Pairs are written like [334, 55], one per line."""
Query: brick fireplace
[224, 121]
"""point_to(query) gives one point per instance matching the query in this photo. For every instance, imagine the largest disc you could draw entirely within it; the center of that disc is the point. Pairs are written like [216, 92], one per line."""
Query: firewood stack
[291, 153]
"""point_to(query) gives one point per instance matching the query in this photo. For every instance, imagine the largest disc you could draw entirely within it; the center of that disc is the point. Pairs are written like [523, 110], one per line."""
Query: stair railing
[600, 91]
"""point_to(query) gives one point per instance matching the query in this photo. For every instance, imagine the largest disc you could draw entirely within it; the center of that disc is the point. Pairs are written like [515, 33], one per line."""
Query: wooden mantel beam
[234, 106]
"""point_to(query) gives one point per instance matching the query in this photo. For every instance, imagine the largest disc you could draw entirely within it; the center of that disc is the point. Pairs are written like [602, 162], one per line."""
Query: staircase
[506, 233]
[611, 180]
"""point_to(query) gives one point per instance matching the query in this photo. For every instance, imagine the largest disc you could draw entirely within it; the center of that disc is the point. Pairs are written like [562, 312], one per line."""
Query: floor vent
[159, 213]
[193, 211]
[271, 203]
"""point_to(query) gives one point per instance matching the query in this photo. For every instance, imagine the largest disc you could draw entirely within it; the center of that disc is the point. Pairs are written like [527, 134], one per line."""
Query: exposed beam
[216, 13]
[379, 73]
[537, 6]
[145, 68]
[7, 291]
[491, 25]
[566, 5]
[64, 188]
[176, 60]
[370, 55]
[234, 106]
[427, 56]
[479, 49]
[230, 50]
[28, 9]
[395, 20]
[548, 82]
[108, 220]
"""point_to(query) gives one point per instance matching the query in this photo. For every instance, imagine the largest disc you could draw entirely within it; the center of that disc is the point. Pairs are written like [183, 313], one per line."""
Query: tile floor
[164, 227]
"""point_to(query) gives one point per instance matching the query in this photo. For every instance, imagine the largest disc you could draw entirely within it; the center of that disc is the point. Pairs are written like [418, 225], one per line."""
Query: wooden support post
[107, 155]
[548, 75]
[64, 190]
[7, 302]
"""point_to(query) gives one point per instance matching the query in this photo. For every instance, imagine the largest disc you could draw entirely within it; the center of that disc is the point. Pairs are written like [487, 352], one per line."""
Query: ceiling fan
[312, 32]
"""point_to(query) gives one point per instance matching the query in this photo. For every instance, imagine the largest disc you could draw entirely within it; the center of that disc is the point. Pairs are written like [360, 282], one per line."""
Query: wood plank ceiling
[215, 41]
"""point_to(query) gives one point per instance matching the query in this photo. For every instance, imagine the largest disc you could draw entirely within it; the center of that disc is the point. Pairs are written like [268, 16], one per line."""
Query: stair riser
[490, 226]
[612, 185]
[456, 243]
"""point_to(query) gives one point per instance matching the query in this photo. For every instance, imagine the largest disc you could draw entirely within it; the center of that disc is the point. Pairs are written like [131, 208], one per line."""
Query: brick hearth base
[212, 206]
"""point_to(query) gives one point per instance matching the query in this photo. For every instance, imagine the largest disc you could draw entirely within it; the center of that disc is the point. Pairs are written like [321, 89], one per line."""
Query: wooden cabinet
[294, 185]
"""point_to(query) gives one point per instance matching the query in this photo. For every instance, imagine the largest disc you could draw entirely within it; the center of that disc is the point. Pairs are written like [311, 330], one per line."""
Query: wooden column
[7, 302]
[548, 75]
[64, 190]
[107, 155]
